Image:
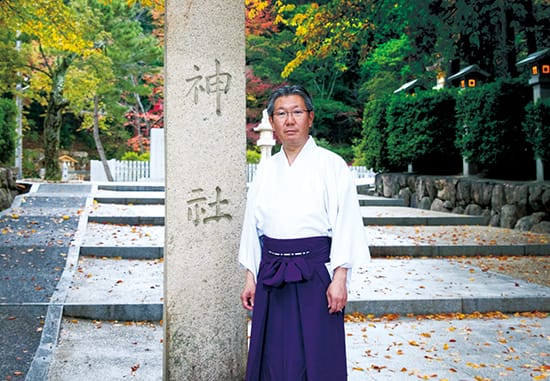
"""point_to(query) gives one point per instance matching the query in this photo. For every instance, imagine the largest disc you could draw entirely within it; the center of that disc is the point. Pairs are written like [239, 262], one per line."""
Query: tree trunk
[53, 120]
[140, 111]
[530, 24]
[98, 143]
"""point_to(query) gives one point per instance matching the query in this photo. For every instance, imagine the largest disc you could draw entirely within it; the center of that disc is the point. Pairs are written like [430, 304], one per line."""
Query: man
[302, 234]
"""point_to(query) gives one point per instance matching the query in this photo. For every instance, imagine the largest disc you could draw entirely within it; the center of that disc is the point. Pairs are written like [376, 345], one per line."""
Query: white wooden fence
[125, 170]
[362, 173]
[122, 170]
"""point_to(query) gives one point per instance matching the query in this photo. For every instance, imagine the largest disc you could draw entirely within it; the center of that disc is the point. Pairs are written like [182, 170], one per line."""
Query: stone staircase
[412, 272]
[112, 308]
[110, 299]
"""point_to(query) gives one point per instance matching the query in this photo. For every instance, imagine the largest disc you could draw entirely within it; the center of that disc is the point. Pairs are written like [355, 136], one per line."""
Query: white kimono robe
[316, 196]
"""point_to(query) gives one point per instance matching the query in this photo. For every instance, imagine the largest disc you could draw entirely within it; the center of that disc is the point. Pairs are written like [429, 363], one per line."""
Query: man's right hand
[249, 290]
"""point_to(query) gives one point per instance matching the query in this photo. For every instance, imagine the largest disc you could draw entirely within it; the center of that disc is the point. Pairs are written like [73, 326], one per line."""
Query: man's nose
[290, 117]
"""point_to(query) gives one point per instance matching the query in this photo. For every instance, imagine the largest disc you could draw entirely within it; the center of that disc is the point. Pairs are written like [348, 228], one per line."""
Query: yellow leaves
[301, 30]
[255, 8]
[53, 23]
[480, 378]
[298, 20]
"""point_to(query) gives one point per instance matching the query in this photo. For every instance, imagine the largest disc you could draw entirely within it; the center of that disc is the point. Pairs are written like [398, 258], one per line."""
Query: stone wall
[8, 188]
[507, 204]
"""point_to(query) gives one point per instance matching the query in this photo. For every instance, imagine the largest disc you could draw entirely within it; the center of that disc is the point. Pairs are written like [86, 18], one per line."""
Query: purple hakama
[293, 337]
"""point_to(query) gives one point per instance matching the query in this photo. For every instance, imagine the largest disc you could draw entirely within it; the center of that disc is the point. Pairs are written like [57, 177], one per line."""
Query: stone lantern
[470, 76]
[411, 87]
[539, 66]
[266, 141]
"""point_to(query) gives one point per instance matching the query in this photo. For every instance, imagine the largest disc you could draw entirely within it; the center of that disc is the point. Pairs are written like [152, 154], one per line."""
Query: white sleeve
[349, 243]
[249, 249]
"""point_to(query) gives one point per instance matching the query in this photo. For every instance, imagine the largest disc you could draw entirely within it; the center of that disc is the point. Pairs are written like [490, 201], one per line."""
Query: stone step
[124, 235]
[128, 220]
[461, 240]
[116, 289]
[366, 200]
[131, 187]
[429, 286]
[107, 350]
[401, 215]
[128, 214]
[130, 200]
[135, 197]
[125, 252]
[115, 311]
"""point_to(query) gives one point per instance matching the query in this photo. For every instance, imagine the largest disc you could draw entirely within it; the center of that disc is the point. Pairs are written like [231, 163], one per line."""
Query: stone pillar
[539, 92]
[205, 325]
[465, 167]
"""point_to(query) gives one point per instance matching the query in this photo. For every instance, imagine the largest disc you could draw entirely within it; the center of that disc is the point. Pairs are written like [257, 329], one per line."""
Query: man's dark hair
[285, 91]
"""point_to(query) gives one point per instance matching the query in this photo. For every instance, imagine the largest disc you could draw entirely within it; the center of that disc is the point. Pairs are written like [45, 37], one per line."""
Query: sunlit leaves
[260, 17]
[51, 22]
[328, 30]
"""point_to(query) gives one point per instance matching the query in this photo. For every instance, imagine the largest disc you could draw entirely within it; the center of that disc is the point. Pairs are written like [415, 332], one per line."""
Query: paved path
[81, 297]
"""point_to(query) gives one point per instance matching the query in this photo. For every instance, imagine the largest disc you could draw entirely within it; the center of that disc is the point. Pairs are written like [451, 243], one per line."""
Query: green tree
[54, 33]
[107, 85]
[66, 37]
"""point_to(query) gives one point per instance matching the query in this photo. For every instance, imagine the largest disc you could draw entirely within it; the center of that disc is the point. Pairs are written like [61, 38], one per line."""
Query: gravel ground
[21, 331]
[534, 269]
[33, 251]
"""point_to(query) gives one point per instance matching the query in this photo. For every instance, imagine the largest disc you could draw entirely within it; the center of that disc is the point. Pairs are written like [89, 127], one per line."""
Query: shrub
[489, 132]
[371, 151]
[421, 129]
[253, 156]
[536, 127]
[8, 133]
[134, 156]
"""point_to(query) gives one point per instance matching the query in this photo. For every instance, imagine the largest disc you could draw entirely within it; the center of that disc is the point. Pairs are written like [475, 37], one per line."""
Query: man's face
[291, 121]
